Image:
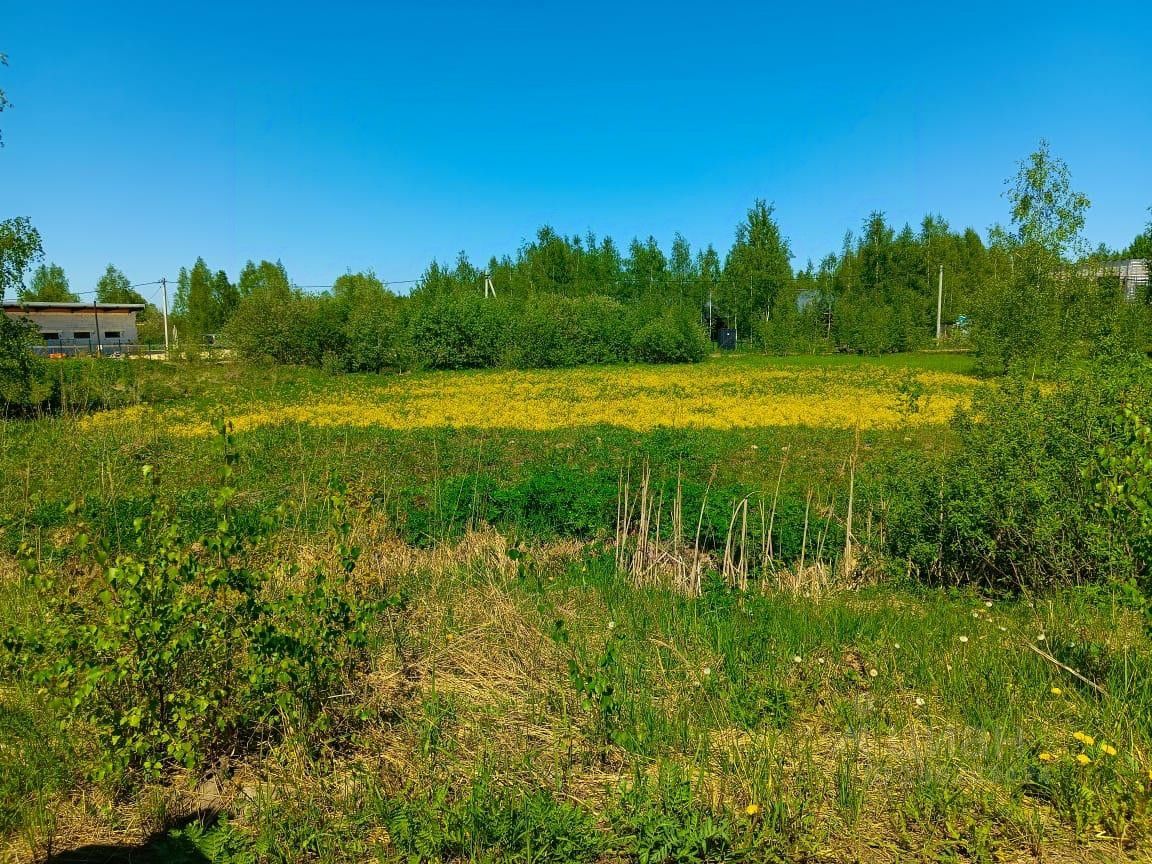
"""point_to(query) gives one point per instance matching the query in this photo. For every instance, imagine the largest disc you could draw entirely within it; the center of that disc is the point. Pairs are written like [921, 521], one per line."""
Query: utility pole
[164, 285]
[489, 288]
[96, 313]
[940, 305]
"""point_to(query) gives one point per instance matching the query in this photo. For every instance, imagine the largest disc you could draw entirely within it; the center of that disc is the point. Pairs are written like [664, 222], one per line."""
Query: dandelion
[872, 673]
[1083, 759]
[988, 604]
[897, 646]
[1056, 691]
[797, 659]
[752, 809]
[1107, 749]
[1086, 740]
[1047, 757]
[963, 638]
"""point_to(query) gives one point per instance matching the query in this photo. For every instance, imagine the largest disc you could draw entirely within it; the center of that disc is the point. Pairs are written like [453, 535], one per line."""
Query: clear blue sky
[336, 136]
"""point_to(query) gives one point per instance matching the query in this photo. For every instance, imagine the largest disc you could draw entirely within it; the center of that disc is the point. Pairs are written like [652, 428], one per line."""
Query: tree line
[1026, 295]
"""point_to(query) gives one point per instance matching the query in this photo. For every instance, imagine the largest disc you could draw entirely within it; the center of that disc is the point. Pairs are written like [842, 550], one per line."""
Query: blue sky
[381, 135]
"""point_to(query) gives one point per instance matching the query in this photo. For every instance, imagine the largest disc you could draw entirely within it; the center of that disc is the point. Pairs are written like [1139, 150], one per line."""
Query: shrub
[457, 331]
[373, 339]
[174, 652]
[24, 381]
[286, 327]
[551, 331]
[673, 337]
[1016, 505]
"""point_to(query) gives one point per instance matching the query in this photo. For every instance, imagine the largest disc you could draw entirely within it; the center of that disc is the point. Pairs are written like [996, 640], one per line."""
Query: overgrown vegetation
[630, 643]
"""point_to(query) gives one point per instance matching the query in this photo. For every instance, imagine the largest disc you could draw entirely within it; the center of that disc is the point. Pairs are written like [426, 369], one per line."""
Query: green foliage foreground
[388, 679]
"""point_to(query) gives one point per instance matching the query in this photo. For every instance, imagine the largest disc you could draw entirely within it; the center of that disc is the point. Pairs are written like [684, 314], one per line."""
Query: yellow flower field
[724, 394]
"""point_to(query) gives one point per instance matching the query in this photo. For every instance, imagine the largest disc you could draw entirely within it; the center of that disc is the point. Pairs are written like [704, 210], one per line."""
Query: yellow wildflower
[752, 809]
[1047, 757]
[728, 395]
[1086, 740]
[1107, 749]
[1056, 691]
[1083, 759]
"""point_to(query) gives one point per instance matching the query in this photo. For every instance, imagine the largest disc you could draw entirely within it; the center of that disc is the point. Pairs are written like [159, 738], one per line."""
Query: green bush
[457, 331]
[373, 337]
[674, 337]
[287, 327]
[24, 379]
[1017, 503]
[552, 331]
[174, 651]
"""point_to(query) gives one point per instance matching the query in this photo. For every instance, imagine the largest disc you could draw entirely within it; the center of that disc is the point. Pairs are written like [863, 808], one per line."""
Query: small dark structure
[717, 325]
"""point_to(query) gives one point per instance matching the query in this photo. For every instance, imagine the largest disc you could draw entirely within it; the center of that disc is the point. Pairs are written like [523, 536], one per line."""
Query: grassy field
[535, 688]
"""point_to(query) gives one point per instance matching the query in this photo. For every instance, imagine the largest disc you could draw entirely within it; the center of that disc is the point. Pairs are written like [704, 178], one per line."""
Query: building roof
[37, 306]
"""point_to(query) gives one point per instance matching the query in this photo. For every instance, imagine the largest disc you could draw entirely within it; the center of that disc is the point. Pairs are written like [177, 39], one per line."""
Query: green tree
[757, 271]
[225, 296]
[266, 278]
[24, 379]
[371, 319]
[646, 269]
[682, 269]
[20, 246]
[199, 314]
[114, 287]
[1032, 314]
[49, 285]
[708, 275]
[1141, 246]
[1047, 212]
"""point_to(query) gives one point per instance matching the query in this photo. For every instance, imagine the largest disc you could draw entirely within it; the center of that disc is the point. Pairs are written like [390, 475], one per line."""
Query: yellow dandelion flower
[1047, 757]
[1107, 749]
[752, 809]
[1083, 759]
[1056, 691]
[1084, 739]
